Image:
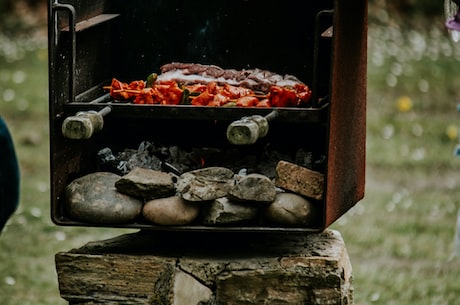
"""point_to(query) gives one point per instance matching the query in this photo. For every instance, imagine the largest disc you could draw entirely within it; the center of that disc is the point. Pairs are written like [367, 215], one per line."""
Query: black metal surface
[174, 112]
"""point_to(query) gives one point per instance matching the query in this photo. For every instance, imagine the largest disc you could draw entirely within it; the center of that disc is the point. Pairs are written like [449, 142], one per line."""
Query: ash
[178, 160]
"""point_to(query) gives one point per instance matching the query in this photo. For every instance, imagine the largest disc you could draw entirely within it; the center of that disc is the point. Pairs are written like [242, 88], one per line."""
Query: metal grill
[322, 43]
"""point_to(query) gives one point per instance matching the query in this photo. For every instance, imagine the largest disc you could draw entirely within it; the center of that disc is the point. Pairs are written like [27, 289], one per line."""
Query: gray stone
[291, 210]
[205, 184]
[222, 211]
[170, 211]
[253, 187]
[187, 290]
[146, 183]
[94, 199]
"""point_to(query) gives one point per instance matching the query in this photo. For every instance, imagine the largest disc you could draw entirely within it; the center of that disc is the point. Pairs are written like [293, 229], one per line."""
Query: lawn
[400, 237]
[30, 240]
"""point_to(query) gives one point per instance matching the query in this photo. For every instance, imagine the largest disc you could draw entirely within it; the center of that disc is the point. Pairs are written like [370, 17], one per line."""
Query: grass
[400, 237]
[30, 240]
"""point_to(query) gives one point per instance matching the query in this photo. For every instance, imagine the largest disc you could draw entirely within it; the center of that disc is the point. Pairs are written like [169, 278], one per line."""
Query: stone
[222, 211]
[300, 180]
[94, 199]
[187, 290]
[254, 187]
[149, 268]
[205, 184]
[290, 209]
[171, 211]
[146, 183]
[114, 279]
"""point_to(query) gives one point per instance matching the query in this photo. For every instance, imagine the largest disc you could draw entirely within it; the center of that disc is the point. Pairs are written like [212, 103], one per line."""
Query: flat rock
[208, 268]
[291, 210]
[146, 183]
[222, 211]
[94, 199]
[253, 187]
[170, 211]
[205, 184]
[187, 290]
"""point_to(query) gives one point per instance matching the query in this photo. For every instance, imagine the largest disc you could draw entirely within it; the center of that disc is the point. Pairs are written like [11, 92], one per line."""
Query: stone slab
[173, 268]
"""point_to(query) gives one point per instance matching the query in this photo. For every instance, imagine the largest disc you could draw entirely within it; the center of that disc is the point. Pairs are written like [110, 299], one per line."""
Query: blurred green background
[400, 238]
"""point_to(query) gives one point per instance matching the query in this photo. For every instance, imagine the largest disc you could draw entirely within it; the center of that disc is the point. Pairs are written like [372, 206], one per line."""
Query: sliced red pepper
[247, 101]
[264, 103]
[283, 97]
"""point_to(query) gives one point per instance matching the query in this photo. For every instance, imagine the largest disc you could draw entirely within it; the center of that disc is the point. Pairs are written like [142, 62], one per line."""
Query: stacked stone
[207, 269]
[208, 196]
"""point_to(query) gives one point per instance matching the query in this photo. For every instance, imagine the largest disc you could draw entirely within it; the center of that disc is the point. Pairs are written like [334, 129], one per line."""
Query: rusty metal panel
[347, 125]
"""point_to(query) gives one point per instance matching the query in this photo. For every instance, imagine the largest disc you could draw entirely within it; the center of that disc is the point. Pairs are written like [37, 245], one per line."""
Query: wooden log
[174, 268]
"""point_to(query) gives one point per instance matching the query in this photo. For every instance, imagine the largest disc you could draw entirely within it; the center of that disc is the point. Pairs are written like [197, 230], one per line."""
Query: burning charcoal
[270, 160]
[169, 168]
[171, 211]
[228, 158]
[205, 184]
[144, 160]
[149, 147]
[146, 146]
[163, 152]
[320, 164]
[121, 167]
[182, 160]
[222, 211]
[290, 209]
[253, 187]
[106, 161]
[304, 158]
[105, 156]
[299, 180]
[122, 160]
[126, 154]
[142, 157]
[94, 199]
[146, 183]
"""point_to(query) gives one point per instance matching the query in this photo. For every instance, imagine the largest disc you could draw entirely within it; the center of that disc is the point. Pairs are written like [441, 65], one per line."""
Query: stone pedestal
[178, 268]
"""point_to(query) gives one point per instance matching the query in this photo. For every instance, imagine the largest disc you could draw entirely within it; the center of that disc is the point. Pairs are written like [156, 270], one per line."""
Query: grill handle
[248, 130]
[55, 8]
[84, 124]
